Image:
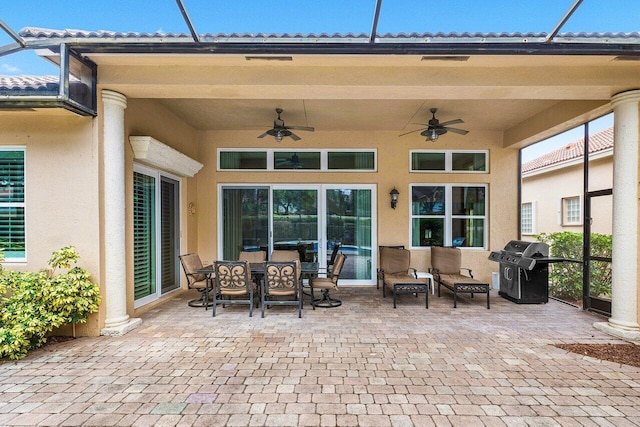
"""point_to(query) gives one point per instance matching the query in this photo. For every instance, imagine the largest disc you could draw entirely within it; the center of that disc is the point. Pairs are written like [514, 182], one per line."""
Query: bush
[566, 278]
[33, 304]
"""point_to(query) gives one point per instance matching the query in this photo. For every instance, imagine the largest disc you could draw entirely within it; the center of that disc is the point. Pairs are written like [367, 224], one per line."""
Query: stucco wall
[546, 191]
[62, 197]
[393, 171]
[150, 118]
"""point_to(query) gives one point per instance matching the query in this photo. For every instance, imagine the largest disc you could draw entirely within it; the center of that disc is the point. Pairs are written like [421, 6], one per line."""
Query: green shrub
[33, 304]
[566, 278]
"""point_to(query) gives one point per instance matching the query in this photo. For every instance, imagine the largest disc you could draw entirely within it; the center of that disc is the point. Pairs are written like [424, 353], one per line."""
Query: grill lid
[521, 254]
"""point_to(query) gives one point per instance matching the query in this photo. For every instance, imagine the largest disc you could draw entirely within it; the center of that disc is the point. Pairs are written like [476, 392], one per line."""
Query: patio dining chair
[282, 285]
[284, 255]
[327, 284]
[253, 256]
[191, 263]
[233, 284]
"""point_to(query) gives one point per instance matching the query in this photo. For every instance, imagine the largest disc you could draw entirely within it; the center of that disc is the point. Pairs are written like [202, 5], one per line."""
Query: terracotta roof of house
[29, 84]
[598, 142]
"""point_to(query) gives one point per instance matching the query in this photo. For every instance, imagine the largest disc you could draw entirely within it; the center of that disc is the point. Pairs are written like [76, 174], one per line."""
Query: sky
[308, 16]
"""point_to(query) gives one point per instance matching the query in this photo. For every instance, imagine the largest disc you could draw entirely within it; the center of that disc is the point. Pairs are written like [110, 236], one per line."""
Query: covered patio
[362, 364]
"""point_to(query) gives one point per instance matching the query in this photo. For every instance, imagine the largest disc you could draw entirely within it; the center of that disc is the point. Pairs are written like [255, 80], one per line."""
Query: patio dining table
[308, 271]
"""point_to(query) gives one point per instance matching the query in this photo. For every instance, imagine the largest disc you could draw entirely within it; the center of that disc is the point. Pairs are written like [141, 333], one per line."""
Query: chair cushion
[446, 260]
[451, 279]
[394, 260]
[323, 283]
[390, 280]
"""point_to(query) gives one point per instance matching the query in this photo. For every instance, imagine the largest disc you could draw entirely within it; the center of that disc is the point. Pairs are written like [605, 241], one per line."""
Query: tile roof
[598, 142]
[43, 33]
[29, 84]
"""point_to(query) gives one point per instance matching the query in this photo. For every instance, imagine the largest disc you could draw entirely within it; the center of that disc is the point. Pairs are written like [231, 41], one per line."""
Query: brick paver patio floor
[362, 364]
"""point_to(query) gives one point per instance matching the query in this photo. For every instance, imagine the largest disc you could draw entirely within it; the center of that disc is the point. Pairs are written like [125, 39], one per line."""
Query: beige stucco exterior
[197, 104]
[545, 189]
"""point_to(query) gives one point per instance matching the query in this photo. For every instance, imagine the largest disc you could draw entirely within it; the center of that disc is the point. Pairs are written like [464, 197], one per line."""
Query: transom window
[12, 203]
[448, 215]
[449, 161]
[313, 160]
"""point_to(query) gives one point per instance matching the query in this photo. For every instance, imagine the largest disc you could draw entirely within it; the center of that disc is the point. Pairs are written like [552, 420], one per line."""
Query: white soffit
[159, 155]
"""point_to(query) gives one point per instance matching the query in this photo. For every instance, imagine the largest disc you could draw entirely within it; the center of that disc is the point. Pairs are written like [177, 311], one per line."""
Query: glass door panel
[245, 221]
[169, 233]
[349, 222]
[295, 221]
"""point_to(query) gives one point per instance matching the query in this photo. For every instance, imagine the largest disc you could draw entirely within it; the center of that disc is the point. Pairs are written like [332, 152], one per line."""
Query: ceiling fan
[434, 128]
[279, 130]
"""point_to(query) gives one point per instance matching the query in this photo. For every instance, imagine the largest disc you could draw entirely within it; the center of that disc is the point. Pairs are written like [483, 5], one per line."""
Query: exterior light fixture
[279, 136]
[433, 137]
[394, 197]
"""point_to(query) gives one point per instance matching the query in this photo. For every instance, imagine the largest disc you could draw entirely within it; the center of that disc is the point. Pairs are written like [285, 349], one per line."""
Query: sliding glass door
[295, 221]
[156, 236]
[311, 219]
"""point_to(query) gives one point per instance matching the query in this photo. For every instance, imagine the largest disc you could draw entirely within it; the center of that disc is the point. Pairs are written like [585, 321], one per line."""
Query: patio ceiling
[347, 93]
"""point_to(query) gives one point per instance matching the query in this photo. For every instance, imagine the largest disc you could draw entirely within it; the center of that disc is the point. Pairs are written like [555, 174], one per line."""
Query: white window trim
[533, 218]
[448, 161]
[563, 213]
[448, 216]
[324, 159]
[19, 204]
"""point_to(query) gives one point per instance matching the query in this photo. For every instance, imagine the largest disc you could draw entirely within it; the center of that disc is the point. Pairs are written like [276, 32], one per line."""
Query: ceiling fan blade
[307, 128]
[412, 131]
[263, 135]
[458, 131]
[295, 137]
[452, 122]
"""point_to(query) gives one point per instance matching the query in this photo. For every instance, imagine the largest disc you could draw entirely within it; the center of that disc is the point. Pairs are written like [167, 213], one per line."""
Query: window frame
[448, 161]
[448, 216]
[324, 159]
[532, 217]
[22, 204]
[565, 222]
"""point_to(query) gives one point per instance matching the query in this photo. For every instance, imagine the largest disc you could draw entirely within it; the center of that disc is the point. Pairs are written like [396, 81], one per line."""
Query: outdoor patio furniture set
[278, 281]
[398, 277]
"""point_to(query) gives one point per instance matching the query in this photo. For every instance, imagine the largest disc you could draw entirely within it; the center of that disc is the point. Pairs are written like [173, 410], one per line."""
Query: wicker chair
[191, 263]
[447, 271]
[282, 285]
[398, 277]
[327, 284]
[232, 283]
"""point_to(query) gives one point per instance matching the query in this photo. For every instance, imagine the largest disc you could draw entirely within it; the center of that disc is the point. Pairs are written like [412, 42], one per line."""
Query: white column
[624, 289]
[115, 270]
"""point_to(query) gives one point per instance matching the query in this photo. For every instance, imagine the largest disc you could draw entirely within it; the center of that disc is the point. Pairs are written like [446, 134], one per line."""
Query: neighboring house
[154, 145]
[553, 187]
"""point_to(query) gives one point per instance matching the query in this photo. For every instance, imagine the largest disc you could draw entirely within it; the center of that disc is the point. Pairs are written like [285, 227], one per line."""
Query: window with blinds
[12, 204]
[144, 235]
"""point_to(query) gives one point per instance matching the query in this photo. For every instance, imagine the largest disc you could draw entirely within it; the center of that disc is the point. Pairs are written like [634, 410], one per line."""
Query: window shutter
[12, 206]
[144, 235]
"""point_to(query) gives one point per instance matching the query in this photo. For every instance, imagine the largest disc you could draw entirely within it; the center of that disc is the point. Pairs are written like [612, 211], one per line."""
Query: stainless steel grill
[524, 271]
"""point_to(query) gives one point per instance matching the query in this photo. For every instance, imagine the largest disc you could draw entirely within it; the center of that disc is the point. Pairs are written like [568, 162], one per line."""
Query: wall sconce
[394, 197]
[191, 208]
